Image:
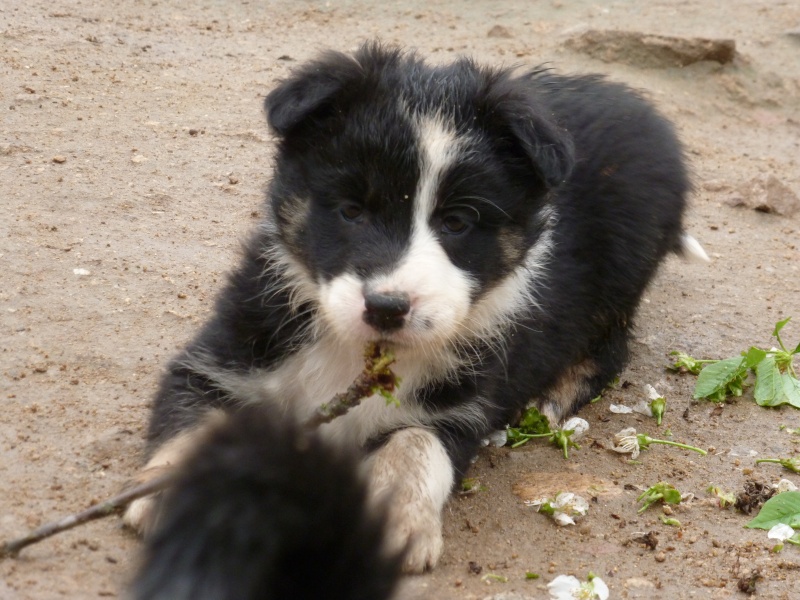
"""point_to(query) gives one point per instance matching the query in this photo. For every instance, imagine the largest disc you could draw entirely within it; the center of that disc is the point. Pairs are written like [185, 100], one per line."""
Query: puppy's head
[411, 198]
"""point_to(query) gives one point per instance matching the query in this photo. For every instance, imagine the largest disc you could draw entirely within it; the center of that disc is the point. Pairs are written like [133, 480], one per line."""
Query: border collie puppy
[495, 230]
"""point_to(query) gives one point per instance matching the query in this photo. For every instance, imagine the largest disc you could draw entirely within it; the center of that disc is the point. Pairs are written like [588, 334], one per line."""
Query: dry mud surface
[133, 149]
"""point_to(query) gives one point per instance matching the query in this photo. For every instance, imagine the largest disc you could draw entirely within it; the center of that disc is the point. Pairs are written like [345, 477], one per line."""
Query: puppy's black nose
[386, 311]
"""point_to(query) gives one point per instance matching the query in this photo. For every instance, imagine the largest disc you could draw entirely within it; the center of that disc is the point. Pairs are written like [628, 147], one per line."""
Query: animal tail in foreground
[264, 510]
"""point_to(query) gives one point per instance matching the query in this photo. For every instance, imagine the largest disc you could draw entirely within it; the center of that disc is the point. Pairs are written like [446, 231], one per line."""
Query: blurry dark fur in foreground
[263, 511]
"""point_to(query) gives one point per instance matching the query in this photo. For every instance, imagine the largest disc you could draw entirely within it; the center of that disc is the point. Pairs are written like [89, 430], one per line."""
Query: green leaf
[791, 390]
[713, 381]
[769, 385]
[660, 491]
[533, 422]
[779, 325]
[783, 508]
[754, 356]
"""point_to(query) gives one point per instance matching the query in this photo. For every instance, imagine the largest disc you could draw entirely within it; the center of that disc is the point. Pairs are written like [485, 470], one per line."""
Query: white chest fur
[315, 374]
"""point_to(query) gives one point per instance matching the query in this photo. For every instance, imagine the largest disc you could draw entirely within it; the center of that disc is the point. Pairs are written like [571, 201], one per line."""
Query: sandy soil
[133, 149]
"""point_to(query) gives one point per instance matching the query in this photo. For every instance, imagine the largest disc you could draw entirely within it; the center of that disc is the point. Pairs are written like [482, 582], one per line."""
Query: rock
[650, 50]
[498, 31]
[766, 194]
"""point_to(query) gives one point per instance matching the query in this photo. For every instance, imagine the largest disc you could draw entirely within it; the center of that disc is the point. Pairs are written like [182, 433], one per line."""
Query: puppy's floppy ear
[515, 110]
[310, 90]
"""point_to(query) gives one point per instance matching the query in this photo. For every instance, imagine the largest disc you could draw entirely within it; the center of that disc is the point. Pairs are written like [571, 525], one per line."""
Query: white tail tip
[691, 248]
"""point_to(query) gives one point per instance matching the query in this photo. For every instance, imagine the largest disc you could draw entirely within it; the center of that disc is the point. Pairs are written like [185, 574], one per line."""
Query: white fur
[439, 148]
[438, 290]
[692, 248]
[140, 513]
[412, 476]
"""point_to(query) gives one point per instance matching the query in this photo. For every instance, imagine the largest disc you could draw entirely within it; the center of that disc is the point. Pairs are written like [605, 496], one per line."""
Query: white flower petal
[536, 503]
[784, 485]
[497, 439]
[580, 505]
[620, 409]
[571, 504]
[562, 500]
[651, 392]
[600, 588]
[643, 407]
[781, 532]
[563, 519]
[578, 425]
[562, 587]
[626, 442]
[625, 433]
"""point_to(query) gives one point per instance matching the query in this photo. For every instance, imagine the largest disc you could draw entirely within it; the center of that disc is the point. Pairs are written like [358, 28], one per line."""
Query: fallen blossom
[567, 587]
[628, 441]
[498, 439]
[783, 533]
[656, 404]
[784, 485]
[780, 532]
[577, 425]
[565, 506]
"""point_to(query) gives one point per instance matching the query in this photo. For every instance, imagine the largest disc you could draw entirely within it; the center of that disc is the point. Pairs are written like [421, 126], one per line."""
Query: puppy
[494, 230]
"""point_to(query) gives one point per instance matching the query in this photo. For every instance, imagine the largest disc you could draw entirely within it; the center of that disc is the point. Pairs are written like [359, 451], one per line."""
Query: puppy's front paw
[415, 530]
[141, 515]
[411, 478]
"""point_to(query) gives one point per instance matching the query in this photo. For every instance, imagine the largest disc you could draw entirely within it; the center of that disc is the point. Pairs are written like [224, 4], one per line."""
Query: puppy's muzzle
[386, 312]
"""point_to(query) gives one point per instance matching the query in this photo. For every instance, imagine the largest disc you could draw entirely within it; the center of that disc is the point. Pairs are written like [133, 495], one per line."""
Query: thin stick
[376, 378]
[97, 511]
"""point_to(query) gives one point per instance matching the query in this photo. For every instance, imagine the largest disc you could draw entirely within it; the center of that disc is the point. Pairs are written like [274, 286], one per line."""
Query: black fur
[586, 163]
[263, 512]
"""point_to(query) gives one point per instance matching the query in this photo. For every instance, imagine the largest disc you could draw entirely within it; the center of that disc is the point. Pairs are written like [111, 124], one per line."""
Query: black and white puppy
[495, 230]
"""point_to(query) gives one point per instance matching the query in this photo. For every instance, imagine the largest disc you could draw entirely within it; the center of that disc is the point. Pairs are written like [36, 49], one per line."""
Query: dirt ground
[133, 158]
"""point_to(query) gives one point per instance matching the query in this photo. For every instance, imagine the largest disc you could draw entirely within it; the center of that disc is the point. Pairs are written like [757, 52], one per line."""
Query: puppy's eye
[351, 212]
[454, 224]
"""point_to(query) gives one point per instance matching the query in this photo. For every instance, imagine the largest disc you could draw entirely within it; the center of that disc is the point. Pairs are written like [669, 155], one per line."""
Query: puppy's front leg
[412, 476]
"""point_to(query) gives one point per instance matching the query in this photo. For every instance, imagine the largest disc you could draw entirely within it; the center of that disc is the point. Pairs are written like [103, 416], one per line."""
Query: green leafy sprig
[534, 425]
[792, 464]
[776, 380]
[663, 491]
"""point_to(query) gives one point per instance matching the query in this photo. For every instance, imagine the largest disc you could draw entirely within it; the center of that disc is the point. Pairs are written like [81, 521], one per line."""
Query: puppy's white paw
[140, 515]
[411, 477]
[416, 531]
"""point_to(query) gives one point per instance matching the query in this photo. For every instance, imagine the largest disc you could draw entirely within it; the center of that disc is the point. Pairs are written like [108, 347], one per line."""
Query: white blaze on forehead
[439, 147]
[440, 292]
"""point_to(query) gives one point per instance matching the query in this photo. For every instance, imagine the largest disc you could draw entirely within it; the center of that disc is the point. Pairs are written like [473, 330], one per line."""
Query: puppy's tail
[265, 511]
[690, 248]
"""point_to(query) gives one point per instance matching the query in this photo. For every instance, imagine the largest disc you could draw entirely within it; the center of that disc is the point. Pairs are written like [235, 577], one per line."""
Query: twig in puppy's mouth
[376, 378]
